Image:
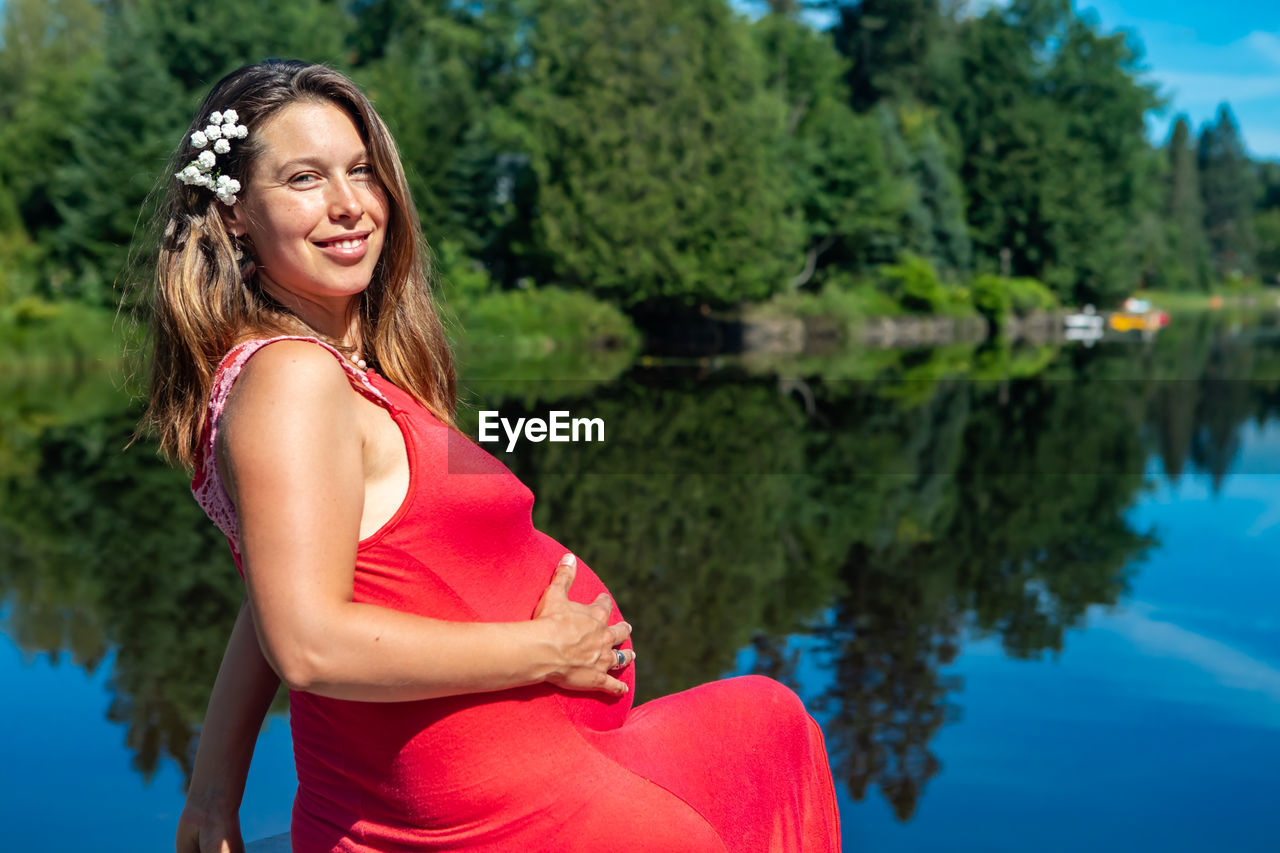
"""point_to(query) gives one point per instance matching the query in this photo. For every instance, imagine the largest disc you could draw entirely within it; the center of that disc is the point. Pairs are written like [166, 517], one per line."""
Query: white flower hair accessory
[222, 128]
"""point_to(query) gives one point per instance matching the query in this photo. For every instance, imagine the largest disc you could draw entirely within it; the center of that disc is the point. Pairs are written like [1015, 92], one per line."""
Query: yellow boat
[1123, 321]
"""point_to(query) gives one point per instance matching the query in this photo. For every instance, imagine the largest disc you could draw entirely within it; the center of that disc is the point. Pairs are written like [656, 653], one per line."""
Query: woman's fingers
[587, 639]
[562, 581]
[622, 657]
[602, 607]
[565, 572]
[556, 596]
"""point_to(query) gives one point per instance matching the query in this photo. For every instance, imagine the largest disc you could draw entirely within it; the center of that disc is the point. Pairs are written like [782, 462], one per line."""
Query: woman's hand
[209, 829]
[242, 692]
[582, 638]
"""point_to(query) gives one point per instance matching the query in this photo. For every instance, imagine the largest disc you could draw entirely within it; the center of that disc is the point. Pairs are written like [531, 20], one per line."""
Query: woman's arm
[293, 464]
[242, 693]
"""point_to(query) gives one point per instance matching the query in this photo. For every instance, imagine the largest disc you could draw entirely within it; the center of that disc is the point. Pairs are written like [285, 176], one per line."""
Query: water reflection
[894, 504]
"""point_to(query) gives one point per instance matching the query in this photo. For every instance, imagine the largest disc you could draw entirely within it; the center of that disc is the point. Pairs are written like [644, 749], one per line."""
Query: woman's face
[313, 208]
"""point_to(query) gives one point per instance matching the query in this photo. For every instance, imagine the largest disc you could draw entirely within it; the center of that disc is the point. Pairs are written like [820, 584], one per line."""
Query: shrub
[914, 284]
[998, 297]
[542, 319]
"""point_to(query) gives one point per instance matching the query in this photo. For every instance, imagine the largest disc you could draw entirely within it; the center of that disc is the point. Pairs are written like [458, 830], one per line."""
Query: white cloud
[1266, 45]
[1222, 663]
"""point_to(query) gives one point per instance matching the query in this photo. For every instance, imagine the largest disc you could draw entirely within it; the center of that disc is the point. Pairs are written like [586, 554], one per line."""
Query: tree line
[665, 152]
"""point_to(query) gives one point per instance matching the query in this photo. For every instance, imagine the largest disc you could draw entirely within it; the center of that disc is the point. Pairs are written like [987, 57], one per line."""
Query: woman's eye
[302, 179]
[364, 170]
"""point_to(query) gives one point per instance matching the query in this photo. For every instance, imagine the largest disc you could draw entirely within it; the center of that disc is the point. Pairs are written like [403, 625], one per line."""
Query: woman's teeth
[345, 244]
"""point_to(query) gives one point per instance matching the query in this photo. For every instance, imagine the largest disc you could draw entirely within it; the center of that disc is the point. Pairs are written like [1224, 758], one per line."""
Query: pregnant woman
[456, 680]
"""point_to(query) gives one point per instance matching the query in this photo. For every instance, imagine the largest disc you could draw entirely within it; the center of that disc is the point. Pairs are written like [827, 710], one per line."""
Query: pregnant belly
[442, 764]
[451, 762]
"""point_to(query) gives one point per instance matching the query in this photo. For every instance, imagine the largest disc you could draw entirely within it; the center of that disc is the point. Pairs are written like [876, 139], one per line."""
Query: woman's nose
[345, 201]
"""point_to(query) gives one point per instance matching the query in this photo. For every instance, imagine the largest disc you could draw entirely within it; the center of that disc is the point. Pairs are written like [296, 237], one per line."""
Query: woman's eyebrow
[316, 162]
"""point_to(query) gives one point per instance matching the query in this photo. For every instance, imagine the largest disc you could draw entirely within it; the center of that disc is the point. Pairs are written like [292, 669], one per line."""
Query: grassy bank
[540, 343]
[909, 289]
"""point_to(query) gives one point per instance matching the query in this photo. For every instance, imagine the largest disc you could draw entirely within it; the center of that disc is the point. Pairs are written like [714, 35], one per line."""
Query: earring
[247, 266]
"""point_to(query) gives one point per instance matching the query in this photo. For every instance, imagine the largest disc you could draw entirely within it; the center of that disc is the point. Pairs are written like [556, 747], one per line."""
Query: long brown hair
[201, 305]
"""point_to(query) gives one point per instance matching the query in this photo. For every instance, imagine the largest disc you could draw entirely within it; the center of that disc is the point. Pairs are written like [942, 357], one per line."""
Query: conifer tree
[441, 79]
[939, 231]
[850, 202]
[137, 114]
[1267, 221]
[49, 52]
[161, 58]
[1052, 124]
[1227, 186]
[656, 148]
[1186, 212]
[899, 49]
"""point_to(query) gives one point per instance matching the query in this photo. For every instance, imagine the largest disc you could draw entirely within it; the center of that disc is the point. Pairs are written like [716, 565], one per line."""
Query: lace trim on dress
[207, 485]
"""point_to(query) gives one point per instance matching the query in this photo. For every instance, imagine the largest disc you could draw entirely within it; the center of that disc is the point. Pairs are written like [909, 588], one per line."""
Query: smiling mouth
[345, 242]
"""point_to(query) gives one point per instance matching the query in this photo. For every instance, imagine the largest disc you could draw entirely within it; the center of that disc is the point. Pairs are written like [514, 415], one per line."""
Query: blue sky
[1202, 53]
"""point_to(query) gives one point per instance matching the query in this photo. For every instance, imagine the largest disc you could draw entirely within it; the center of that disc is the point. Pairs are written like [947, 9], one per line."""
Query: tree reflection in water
[899, 517]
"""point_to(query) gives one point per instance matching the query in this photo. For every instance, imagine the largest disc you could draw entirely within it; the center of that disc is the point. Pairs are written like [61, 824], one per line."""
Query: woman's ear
[233, 218]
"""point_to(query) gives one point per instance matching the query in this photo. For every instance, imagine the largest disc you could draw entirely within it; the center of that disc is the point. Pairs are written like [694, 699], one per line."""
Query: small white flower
[216, 139]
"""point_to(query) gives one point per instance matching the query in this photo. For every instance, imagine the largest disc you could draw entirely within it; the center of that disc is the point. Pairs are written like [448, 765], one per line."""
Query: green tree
[849, 201]
[933, 224]
[1267, 227]
[1227, 185]
[50, 50]
[1186, 211]
[900, 49]
[1051, 123]
[656, 148]
[161, 58]
[440, 73]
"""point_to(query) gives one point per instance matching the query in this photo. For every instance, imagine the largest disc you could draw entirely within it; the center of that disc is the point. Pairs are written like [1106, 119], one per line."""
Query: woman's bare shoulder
[287, 381]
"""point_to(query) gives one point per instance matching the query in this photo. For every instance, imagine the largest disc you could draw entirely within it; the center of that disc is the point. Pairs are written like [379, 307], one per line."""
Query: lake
[1030, 593]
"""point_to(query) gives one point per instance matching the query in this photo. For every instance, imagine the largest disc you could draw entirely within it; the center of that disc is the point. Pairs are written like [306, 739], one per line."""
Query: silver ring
[622, 658]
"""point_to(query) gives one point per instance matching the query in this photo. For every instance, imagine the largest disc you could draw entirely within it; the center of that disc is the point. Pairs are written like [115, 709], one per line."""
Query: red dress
[735, 765]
